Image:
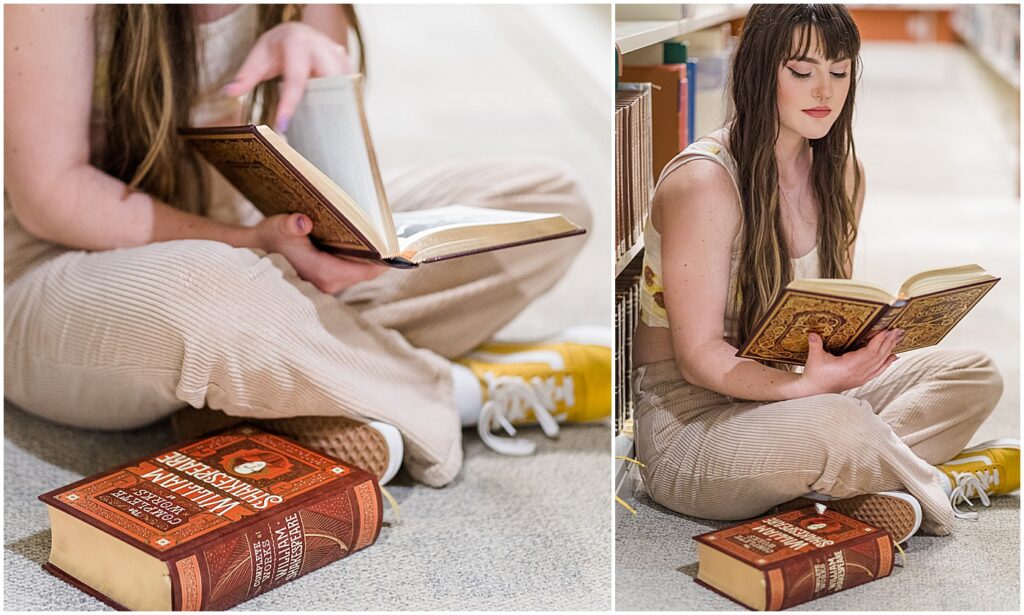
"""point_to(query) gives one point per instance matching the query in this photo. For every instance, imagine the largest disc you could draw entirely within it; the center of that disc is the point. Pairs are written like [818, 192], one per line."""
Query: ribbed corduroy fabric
[121, 338]
[711, 456]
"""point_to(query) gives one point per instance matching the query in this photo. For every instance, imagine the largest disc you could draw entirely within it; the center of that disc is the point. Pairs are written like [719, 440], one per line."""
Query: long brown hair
[765, 46]
[150, 80]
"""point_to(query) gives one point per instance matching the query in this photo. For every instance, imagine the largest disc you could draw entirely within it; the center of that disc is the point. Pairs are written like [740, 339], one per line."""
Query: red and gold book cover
[805, 554]
[233, 514]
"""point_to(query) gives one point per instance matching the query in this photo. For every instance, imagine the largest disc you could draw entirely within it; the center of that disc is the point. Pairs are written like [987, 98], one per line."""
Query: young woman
[773, 196]
[138, 282]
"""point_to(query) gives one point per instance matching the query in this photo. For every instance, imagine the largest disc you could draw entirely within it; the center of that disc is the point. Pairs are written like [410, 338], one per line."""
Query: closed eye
[839, 75]
[799, 75]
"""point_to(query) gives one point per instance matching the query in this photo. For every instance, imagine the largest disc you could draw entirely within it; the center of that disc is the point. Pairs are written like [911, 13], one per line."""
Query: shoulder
[698, 188]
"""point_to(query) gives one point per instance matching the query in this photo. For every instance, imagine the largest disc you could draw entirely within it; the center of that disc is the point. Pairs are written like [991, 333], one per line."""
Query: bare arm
[699, 215]
[56, 194]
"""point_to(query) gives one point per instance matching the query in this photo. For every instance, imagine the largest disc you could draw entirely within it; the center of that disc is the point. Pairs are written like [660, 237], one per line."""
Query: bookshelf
[992, 32]
[633, 35]
[639, 32]
[624, 261]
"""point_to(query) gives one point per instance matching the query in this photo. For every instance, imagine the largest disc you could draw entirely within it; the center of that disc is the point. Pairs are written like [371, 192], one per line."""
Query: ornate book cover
[803, 554]
[846, 324]
[232, 515]
[275, 186]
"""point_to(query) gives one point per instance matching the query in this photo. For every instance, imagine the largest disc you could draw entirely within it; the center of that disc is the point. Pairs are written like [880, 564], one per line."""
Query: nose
[823, 91]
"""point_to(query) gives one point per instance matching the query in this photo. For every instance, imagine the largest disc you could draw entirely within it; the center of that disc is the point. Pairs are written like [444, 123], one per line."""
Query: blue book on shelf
[691, 99]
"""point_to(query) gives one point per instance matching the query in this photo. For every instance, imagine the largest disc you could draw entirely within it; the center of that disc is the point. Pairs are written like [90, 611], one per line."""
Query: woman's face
[811, 94]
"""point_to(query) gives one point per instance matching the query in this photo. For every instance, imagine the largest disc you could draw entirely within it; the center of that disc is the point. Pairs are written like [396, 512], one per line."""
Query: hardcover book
[782, 560]
[208, 524]
[847, 314]
[325, 167]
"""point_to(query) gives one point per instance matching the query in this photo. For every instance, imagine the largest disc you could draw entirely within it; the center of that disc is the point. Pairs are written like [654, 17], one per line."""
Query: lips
[818, 112]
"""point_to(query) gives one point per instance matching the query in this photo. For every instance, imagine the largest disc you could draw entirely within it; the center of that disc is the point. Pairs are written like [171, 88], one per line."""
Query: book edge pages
[821, 286]
[50, 499]
[411, 257]
[746, 351]
[363, 228]
[923, 275]
[70, 580]
[390, 236]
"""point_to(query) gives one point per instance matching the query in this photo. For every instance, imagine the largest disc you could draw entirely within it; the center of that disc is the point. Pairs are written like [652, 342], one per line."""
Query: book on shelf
[627, 314]
[668, 109]
[210, 523]
[326, 168]
[847, 313]
[782, 560]
[633, 169]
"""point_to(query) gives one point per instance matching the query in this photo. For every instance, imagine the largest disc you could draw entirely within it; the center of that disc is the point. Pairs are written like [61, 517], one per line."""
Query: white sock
[469, 398]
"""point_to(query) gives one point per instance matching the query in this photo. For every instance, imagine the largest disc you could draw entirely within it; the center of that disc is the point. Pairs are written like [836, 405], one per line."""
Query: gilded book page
[782, 335]
[929, 318]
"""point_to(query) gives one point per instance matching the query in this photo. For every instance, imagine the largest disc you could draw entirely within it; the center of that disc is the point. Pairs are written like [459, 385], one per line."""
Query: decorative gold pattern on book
[271, 186]
[191, 584]
[783, 336]
[928, 319]
[366, 500]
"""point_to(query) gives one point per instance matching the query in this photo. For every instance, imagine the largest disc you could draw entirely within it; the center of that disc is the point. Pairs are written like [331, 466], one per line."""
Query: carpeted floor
[656, 562]
[500, 538]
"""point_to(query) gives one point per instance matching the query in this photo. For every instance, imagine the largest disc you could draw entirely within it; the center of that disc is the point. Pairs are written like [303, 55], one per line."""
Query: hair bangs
[829, 32]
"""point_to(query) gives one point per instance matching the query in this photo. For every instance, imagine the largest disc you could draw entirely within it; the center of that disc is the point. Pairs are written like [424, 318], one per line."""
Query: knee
[555, 183]
[839, 418]
[980, 369]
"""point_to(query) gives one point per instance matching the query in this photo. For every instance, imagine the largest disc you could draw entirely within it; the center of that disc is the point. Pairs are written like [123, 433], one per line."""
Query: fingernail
[300, 221]
[227, 88]
[282, 124]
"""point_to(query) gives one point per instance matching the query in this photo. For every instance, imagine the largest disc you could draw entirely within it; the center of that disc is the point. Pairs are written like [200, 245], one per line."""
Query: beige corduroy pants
[715, 457]
[121, 338]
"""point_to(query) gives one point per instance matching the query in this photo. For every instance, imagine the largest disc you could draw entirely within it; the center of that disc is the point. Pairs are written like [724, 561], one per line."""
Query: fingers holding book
[296, 52]
[827, 373]
[288, 235]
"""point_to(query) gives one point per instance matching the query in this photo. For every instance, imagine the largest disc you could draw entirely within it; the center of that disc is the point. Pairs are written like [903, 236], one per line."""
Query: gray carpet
[977, 568]
[528, 533]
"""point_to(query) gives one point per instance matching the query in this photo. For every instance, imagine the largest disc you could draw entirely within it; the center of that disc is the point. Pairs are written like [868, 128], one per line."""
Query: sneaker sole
[355, 443]
[897, 513]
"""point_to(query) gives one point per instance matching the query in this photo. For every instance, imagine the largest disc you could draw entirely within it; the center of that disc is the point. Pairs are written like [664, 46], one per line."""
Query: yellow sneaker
[567, 379]
[990, 468]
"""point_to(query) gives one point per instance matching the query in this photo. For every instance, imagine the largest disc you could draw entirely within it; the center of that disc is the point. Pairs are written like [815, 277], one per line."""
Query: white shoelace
[967, 484]
[508, 399]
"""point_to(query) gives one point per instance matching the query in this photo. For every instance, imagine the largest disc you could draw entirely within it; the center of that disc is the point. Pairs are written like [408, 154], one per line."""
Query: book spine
[881, 323]
[286, 545]
[827, 571]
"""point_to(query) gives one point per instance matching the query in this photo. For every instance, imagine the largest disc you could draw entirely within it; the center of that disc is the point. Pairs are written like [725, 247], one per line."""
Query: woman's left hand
[297, 52]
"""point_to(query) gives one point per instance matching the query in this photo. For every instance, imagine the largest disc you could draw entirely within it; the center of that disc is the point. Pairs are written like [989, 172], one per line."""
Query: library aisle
[938, 135]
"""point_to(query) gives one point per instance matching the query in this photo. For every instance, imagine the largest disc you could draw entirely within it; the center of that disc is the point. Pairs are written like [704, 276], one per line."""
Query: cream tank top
[652, 304]
[224, 44]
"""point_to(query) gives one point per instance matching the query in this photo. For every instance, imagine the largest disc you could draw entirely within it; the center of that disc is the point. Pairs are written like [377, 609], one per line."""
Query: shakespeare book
[210, 523]
[847, 314]
[325, 167]
[779, 561]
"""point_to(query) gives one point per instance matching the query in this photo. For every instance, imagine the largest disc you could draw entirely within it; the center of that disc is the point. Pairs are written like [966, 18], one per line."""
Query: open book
[846, 314]
[326, 168]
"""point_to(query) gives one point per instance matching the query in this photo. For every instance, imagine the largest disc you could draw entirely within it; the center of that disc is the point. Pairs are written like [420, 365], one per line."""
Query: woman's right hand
[288, 235]
[827, 373]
